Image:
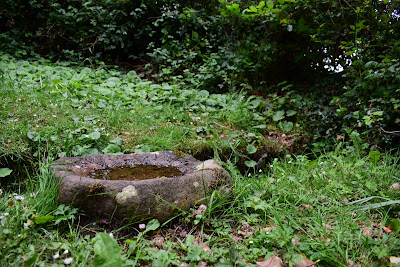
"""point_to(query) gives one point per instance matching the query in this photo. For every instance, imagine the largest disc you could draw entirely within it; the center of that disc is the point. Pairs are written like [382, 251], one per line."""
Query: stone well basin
[82, 184]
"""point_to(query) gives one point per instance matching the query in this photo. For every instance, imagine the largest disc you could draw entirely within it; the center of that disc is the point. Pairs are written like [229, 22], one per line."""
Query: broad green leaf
[374, 156]
[286, 126]
[34, 136]
[43, 219]
[5, 172]
[250, 163]
[56, 81]
[117, 141]
[152, 225]
[195, 35]
[112, 149]
[290, 113]
[279, 115]
[395, 223]
[94, 135]
[107, 251]
[270, 5]
[251, 149]
[32, 260]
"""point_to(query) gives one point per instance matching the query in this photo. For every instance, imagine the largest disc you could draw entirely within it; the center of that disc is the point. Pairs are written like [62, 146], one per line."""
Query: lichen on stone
[127, 192]
[96, 188]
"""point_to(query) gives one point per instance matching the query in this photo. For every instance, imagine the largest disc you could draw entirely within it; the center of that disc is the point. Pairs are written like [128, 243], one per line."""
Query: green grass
[320, 207]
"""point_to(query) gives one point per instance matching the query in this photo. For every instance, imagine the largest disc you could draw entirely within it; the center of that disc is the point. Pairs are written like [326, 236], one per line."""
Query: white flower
[271, 166]
[251, 242]
[56, 256]
[249, 175]
[27, 224]
[260, 170]
[32, 194]
[19, 197]
[289, 161]
[290, 28]
[321, 163]
[68, 261]
[65, 251]
[323, 172]
[111, 235]
[1, 191]
[1, 217]
[142, 226]
[6, 213]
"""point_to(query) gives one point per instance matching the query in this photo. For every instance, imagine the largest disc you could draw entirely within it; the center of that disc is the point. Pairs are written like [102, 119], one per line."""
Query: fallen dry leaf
[205, 247]
[296, 241]
[366, 231]
[327, 226]
[202, 264]
[159, 241]
[237, 239]
[308, 206]
[395, 186]
[246, 229]
[268, 229]
[306, 262]
[199, 211]
[351, 264]
[388, 229]
[273, 261]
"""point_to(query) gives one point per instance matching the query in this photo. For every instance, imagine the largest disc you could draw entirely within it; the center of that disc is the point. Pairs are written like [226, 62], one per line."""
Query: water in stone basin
[138, 172]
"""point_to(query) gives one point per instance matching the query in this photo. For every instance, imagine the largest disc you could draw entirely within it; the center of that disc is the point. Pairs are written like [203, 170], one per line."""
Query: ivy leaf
[5, 172]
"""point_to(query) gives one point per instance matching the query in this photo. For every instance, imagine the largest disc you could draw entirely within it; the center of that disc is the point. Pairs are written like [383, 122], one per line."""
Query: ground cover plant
[335, 208]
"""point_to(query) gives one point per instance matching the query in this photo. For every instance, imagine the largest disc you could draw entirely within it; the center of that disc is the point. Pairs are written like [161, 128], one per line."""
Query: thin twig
[389, 132]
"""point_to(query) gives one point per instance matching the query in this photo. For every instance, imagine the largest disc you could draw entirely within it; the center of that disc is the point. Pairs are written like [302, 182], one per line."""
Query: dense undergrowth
[338, 208]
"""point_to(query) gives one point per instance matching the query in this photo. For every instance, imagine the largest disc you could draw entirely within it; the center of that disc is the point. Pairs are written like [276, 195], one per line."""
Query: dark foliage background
[238, 45]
